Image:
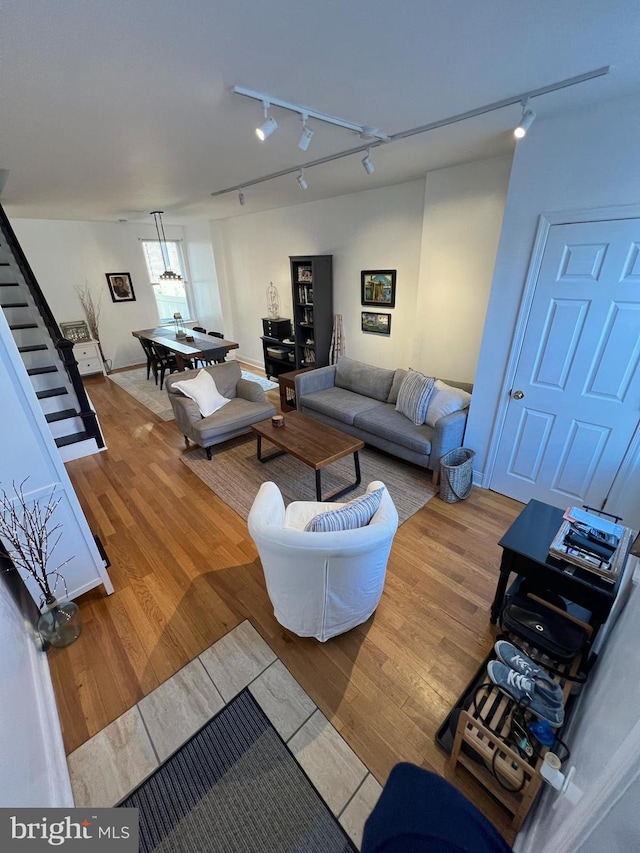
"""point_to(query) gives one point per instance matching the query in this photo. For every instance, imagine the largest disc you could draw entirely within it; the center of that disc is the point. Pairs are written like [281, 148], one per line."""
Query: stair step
[17, 326]
[32, 348]
[14, 305]
[9, 284]
[61, 416]
[65, 440]
[51, 392]
[37, 371]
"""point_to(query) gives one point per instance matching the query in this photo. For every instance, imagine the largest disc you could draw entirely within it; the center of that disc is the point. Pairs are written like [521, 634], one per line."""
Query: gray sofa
[360, 399]
[248, 406]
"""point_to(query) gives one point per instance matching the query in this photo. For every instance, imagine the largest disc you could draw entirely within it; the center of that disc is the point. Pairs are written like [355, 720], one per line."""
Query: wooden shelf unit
[485, 724]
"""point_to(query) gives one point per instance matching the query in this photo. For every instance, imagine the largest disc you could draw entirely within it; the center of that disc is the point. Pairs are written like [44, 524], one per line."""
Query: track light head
[305, 136]
[368, 165]
[302, 183]
[241, 197]
[528, 117]
[266, 129]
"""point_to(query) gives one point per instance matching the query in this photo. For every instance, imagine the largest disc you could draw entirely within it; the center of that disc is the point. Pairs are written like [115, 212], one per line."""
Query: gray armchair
[248, 406]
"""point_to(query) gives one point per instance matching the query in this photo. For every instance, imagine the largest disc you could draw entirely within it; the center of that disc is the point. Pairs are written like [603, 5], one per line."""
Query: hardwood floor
[185, 572]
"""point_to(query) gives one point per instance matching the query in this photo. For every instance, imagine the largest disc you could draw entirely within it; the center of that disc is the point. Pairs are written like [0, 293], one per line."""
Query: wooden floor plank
[186, 572]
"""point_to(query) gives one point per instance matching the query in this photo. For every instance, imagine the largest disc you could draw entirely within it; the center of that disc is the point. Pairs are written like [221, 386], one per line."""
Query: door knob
[518, 395]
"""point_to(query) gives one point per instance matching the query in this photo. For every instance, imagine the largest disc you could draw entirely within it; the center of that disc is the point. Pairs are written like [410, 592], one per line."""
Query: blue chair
[420, 812]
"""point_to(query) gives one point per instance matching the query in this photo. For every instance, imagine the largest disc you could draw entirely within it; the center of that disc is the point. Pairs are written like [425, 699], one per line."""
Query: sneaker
[526, 693]
[515, 659]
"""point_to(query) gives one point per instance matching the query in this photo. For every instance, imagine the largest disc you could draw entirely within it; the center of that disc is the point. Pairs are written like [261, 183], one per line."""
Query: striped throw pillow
[357, 513]
[413, 396]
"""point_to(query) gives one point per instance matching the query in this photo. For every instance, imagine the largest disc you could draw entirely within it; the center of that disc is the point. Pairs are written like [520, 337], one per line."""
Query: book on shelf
[607, 569]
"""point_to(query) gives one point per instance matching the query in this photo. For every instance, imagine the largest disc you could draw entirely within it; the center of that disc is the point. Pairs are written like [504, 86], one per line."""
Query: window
[171, 296]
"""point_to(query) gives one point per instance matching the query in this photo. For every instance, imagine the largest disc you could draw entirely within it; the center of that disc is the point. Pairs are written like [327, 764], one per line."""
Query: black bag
[543, 628]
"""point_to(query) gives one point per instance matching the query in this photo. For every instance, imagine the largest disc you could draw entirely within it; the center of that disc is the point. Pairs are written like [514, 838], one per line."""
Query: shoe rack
[483, 740]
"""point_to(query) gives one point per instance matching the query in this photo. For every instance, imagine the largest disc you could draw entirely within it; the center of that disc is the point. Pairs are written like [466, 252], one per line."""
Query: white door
[575, 400]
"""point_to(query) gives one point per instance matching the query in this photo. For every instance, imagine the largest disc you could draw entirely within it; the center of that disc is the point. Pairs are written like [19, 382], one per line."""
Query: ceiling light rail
[522, 99]
[364, 130]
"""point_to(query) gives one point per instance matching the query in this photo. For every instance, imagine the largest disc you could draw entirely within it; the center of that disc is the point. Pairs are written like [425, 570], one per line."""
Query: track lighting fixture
[241, 197]
[365, 131]
[305, 134]
[168, 274]
[268, 126]
[301, 181]
[368, 132]
[528, 117]
[366, 162]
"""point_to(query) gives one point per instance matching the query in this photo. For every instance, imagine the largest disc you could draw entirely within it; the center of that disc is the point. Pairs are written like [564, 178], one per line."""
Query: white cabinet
[87, 355]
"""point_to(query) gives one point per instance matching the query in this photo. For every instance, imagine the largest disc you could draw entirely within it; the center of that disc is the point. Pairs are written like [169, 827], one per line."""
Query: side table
[525, 552]
[287, 383]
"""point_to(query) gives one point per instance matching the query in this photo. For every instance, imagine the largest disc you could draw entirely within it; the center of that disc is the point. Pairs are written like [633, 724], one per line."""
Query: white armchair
[320, 584]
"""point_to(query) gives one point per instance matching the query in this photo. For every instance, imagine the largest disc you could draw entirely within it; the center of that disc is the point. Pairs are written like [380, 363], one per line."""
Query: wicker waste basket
[456, 474]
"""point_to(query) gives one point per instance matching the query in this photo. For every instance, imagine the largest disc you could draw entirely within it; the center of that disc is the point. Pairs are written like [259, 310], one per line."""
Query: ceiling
[109, 110]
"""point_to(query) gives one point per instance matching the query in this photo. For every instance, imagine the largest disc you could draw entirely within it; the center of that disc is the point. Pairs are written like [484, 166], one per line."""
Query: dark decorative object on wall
[378, 287]
[120, 287]
[378, 324]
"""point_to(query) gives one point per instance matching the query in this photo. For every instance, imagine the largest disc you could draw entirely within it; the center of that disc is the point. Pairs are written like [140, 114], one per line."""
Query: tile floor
[116, 760]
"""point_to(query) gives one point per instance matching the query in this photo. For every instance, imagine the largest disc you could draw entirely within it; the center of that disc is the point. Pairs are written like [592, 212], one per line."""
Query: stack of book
[590, 542]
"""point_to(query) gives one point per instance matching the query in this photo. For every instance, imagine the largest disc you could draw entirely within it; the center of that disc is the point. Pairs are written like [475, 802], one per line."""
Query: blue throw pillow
[357, 513]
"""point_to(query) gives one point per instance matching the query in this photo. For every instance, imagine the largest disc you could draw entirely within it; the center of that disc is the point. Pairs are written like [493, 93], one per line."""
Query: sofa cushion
[413, 396]
[364, 379]
[445, 400]
[236, 416]
[338, 403]
[393, 426]
[398, 378]
[202, 390]
[356, 513]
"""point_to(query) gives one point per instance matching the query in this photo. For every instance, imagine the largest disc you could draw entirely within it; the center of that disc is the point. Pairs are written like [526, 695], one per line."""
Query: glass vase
[60, 624]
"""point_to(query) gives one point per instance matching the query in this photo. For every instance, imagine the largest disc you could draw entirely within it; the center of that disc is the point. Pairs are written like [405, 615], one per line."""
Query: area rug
[235, 786]
[145, 390]
[235, 474]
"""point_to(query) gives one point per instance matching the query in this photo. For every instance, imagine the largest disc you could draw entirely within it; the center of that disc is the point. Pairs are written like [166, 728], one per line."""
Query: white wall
[376, 229]
[462, 218]
[34, 769]
[578, 160]
[203, 275]
[604, 738]
[440, 235]
[64, 254]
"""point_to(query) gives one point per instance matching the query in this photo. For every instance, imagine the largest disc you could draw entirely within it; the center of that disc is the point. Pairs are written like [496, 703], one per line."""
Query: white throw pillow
[414, 396]
[202, 390]
[445, 400]
[357, 513]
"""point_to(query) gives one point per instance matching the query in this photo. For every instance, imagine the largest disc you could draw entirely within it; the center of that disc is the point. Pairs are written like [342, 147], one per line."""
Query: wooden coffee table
[313, 443]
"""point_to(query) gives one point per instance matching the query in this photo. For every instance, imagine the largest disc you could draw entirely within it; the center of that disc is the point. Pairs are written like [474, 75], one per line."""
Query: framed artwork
[378, 287]
[75, 331]
[120, 287]
[378, 324]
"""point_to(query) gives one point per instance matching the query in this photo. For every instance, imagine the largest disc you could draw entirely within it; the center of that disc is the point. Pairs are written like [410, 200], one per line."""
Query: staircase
[47, 356]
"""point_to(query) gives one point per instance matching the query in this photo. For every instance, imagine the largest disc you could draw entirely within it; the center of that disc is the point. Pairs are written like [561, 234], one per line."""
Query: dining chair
[221, 356]
[164, 360]
[151, 365]
[200, 329]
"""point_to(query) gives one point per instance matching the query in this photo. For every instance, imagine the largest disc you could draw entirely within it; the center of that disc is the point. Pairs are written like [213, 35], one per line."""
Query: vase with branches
[91, 308]
[31, 536]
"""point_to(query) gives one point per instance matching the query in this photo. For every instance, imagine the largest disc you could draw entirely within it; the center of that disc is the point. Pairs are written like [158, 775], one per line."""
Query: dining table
[201, 346]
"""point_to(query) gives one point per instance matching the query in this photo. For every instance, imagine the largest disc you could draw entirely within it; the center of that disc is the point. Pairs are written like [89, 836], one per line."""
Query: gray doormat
[235, 786]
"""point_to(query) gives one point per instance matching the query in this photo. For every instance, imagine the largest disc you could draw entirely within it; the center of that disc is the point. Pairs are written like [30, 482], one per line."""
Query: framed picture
[120, 287]
[378, 287]
[379, 324]
[75, 331]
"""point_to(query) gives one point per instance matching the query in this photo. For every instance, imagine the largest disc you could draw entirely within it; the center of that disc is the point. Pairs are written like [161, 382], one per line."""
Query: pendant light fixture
[168, 274]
